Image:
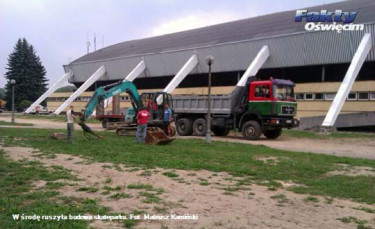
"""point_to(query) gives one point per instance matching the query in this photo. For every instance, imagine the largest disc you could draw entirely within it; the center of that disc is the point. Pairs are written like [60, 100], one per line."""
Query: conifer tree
[26, 68]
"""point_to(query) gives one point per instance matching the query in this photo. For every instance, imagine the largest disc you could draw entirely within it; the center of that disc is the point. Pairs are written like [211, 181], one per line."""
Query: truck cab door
[260, 98]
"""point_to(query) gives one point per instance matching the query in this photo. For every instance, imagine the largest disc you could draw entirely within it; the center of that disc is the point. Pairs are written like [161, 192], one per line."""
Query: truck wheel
[200, 127]
[184, 127]
[220, 131]
[251, 130]
[105, 122]
[273, 134]
[173, 131]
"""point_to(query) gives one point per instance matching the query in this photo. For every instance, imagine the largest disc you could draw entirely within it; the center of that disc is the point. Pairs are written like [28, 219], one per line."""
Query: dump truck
[259, 107]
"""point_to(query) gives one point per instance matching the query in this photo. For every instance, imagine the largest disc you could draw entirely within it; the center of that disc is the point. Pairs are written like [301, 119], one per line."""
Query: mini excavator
[152, 101]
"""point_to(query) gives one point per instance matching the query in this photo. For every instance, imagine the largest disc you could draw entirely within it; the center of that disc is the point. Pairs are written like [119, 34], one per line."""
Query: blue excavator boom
[102, 93]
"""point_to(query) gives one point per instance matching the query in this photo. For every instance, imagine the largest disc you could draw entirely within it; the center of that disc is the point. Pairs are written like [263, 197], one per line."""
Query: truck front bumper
[280, 122]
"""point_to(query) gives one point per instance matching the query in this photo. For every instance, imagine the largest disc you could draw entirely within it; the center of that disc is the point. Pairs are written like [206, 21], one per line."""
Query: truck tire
[220, 131]
[199, 127]
[273, 134]
[251, 130]
[105, 122]
[184, 127]
[173, 131]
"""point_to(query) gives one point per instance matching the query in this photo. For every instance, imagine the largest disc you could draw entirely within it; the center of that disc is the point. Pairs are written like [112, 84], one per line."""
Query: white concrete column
[51, 90]
[136, 71]
[130, 77]
[184, 71]
[346, 85]
[181, 74]
[94, 77]
[255, 65]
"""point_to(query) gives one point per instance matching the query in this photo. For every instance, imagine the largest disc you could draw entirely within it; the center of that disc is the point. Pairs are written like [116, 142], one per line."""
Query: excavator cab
[155, 103]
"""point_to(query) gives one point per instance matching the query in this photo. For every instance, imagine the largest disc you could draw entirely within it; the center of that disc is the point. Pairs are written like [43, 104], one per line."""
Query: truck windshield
[283, 92]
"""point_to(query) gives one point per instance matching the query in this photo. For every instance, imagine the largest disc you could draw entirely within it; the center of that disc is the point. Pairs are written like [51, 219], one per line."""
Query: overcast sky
[58, 29]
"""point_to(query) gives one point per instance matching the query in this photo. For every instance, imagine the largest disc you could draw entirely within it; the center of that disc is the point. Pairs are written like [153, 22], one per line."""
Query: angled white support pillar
[184, 71]
[346, 85]
[99, 73]
[51, 90]
[141, 66]
[255, 65]
[136, 71]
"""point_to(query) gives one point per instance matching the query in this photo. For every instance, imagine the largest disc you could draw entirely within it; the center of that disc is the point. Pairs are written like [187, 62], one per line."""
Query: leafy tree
[69, 88]
[24, 104]
[25, 67]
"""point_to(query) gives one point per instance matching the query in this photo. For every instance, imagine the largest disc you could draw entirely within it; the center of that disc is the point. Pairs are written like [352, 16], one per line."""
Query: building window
[363, 96]
[372, 95]
[309, 96]
[329, 96]
[352, 96]
[319, 96]
[299, 96]
[124, 98]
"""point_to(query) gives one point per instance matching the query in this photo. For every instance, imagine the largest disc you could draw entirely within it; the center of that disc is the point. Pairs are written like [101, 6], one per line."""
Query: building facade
[315, 60]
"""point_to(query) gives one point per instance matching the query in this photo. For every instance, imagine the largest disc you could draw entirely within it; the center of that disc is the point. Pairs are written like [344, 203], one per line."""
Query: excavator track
[126, 131]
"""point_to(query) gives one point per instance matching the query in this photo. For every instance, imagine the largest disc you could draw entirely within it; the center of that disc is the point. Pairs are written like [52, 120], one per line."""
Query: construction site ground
[218, 199]
[348, 147]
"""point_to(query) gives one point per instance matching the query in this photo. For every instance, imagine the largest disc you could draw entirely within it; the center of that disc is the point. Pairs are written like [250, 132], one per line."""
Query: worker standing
[142, 119]
[167, 119]
[70, 123]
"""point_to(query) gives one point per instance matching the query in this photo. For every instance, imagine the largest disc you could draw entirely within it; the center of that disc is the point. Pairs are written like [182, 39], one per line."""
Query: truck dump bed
[220, 104]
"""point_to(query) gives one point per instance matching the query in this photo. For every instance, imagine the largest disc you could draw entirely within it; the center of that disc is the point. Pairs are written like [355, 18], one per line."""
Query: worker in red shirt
[142, 118]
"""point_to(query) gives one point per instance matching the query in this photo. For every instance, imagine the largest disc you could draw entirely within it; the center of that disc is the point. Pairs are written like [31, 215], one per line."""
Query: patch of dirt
[46, 124]
[200, 193]
[39, 184]
[289, 184]
[353, 171]
[270, 160]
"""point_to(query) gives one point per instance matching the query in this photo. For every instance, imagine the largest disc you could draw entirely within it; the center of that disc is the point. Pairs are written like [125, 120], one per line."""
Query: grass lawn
[194, 154]
[3, 123]
[17, 196]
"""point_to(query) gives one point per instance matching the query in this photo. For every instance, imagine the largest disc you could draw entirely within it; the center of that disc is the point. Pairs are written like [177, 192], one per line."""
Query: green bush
[24, 104]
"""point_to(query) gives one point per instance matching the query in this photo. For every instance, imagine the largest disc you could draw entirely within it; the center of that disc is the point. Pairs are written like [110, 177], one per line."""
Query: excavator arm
[109, 91]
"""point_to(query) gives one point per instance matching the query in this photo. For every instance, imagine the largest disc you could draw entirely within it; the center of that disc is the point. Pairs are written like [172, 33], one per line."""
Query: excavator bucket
[156, 136]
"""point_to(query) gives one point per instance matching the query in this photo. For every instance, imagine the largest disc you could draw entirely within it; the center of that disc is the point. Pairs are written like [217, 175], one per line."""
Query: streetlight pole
[209, 61]
[13, 82]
